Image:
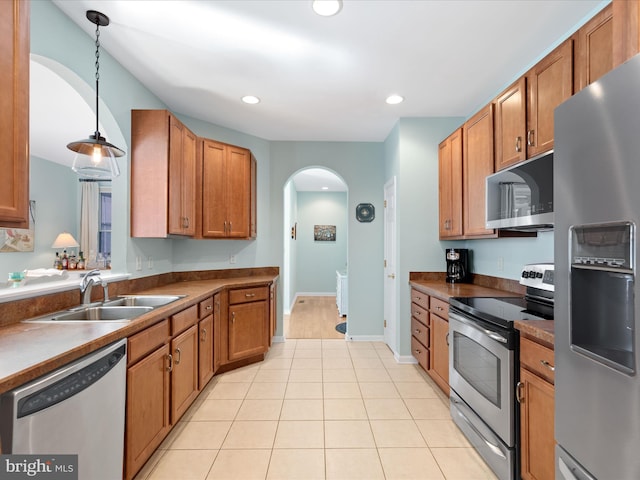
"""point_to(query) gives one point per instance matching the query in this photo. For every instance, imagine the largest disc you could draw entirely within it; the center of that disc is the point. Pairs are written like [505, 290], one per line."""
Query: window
[104, 222]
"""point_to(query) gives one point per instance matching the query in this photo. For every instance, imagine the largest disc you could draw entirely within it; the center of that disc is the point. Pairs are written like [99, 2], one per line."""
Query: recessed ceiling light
[325, 188]
[327, 8]
[250, 99]
[394, 99]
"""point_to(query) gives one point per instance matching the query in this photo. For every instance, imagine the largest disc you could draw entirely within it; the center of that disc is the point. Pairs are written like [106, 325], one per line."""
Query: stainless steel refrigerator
[597, 215]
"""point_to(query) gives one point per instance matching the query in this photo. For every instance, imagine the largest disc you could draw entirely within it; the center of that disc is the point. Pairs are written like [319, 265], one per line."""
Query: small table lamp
[64, 240]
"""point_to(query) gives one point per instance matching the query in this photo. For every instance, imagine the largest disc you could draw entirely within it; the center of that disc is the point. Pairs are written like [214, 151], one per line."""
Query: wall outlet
[232, 259]
[138, 263]
[150, 263]
[500, 264]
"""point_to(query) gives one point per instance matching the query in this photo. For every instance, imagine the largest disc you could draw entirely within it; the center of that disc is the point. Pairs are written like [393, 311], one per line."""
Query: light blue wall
[317, 262]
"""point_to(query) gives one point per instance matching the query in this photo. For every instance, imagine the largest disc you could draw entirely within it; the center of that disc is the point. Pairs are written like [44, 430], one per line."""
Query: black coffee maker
[458, 265]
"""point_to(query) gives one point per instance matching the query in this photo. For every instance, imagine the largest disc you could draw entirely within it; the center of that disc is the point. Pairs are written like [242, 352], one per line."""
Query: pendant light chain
[97, 75]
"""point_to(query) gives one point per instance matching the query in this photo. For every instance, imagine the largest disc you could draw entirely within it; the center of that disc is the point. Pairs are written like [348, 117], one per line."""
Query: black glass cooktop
[503, 310]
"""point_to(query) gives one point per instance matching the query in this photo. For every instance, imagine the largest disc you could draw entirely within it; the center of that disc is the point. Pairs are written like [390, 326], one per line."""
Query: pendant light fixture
[95, 157]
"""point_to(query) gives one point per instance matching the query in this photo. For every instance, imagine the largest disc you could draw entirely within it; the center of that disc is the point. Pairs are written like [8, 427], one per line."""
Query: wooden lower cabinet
[247, 335]
[184, 376]
[439, 343]
[205, 344]
[536, 395]
[420, 336]
[217, 331]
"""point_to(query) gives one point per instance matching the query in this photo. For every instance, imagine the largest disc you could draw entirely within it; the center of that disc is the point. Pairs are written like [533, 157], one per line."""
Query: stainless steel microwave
[521, 197]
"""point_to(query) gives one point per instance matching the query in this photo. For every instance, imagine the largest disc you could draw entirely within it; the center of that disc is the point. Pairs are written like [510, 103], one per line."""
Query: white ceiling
[316, 179]
[326, 78]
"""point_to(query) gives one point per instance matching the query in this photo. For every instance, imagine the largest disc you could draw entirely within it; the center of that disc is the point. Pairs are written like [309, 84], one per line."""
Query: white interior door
[390, 280]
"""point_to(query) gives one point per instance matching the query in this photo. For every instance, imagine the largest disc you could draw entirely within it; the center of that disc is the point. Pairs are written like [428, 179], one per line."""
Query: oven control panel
[538, 275]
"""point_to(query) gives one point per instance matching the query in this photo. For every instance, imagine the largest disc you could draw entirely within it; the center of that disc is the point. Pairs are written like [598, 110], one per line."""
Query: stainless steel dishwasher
[77, 409]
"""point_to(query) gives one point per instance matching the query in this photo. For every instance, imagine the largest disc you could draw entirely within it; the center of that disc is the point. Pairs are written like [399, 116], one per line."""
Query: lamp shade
[65, 240]
[95, 158]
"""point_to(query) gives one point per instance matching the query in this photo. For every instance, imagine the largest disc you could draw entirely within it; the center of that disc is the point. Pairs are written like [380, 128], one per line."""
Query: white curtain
[89, 219]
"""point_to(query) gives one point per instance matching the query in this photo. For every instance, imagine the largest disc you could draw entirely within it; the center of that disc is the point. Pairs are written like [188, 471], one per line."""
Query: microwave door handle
[494, 448]
[488, 333]
[495, 336]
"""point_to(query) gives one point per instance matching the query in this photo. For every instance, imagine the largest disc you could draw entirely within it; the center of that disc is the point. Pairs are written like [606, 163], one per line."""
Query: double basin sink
[120, 309]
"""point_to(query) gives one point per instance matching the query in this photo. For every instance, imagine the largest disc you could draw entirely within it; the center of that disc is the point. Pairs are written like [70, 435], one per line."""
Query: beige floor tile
[364, 353]
[267, 391]
[276, 363]
[336, 353]
[228, 391]
[303, 390]
[330, 343]
[409, 464]
[359, 362]
[333, 363]
[372, 375]
[240, 465]
[298, 464]
[216, 410]
[272, 375]
[396, 433]
[308, 353]
[296, 409]
[416, 390]
[306, 375]
[427, 408]
[282, 353]
[386, 409]
[344, 409]
[250, 434]
[148, 467]
[408, 374]
[353, 464]
[201, 435]
[462, 464]
[341, 390]
[183, 464]
[262, 409]
[442, 433]
[302, 343]
[378, 390]
[348, 434]
[240, 375]
[339, 374]
[306, 363]
[300, 434]
[359, 345]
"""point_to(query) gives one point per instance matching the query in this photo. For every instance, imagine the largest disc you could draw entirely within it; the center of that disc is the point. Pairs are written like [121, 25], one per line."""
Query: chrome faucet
[88, 281]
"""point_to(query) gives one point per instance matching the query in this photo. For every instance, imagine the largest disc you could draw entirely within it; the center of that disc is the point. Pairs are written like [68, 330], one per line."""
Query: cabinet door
[477, 164]
[148, 419]
[184, 376]
[189, 182]
[450, 185]
[214, 186]
[511, 125]
[439, 351]
[205, 351]
[176, 220]
[217, 332]
[238, 174]
[14, 114]
[593, 49]
[626, 30]
[536, 427]
[549, 84]
[248, 324]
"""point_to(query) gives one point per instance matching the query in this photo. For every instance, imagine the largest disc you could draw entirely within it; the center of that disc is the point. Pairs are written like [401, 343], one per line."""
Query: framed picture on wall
[324, 233]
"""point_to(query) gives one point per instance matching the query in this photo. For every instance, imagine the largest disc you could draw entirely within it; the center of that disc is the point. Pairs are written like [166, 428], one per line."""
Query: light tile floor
[325, 409]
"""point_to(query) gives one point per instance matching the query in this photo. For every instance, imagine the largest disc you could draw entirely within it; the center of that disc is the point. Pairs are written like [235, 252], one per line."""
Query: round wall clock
[365, 212]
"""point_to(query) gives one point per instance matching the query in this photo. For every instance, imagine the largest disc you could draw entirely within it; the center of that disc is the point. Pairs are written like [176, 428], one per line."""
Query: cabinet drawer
[243, 295]
[420, 298]
[420, 352]
[205, 307]
[184, 319]
[537, 358]
[147, 340]
[420, 314]
[420, 332]
[439, 307]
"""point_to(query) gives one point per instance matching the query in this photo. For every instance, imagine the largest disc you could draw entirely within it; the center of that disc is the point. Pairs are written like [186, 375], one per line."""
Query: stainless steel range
[483, 366]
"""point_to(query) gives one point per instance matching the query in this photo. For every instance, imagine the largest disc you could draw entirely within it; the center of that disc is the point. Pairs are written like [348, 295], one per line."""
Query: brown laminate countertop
[29, 350]
[538, 330]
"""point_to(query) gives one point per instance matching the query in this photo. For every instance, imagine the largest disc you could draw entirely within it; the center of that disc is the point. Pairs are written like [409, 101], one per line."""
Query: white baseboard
[364, 338]
[408, 359]
[277, 339]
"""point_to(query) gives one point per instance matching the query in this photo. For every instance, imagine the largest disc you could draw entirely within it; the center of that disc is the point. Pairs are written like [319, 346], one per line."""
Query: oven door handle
[493, 335]
[494, 448]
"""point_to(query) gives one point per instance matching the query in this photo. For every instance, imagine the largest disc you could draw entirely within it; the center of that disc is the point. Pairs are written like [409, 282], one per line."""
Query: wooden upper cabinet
[511, 117]
[228, 191]
[626, 30]
[450, 185]
[593, 49]
[14, 113]
[163, 175]
[478, 162]
[549, 84]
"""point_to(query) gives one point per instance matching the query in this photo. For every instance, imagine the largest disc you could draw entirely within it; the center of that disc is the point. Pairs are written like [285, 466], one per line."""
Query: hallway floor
[318, 409]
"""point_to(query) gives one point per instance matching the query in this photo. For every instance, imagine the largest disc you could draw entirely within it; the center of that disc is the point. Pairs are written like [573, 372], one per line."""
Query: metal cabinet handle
[418, 331]
[417, 313]
[530, 138]
[233, 317]
[518, 144]
[179, 356]
[519, 387]
[229, 227]
[218, 306]
[548, 365]
[209, 307]
[418, 351]
[204, 335]
[249, 295]
[440, 309]
[170, 367]
[446, 338]
[225, 227]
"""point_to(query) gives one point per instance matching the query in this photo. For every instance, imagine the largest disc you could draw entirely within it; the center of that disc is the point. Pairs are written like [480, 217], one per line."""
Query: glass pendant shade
[95, 158]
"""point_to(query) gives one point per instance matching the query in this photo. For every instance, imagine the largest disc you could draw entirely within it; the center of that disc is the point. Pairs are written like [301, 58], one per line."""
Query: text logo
[39, 467]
